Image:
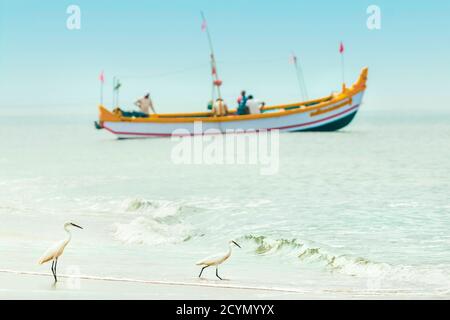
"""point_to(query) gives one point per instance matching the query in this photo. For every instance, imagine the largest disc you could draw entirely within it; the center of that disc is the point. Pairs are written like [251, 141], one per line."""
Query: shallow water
[361, 210]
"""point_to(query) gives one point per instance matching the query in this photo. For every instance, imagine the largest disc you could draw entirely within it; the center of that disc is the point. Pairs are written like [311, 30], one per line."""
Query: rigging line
[242, 62]
[203, 65]
[300, 84]
[302, 80]
[197, 67]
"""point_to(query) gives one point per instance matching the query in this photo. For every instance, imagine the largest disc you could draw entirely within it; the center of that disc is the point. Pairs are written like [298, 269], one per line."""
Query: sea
[363, 212]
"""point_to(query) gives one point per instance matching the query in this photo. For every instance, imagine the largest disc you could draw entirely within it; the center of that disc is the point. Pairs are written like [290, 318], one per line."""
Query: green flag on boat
[118, 85]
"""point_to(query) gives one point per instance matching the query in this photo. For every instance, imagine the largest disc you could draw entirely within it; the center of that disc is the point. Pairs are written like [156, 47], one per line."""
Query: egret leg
[56, 263]
[53, 270]
[202, 271]
[217, 273]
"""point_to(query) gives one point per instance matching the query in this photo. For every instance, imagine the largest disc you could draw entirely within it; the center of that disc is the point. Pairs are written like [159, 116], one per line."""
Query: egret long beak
[75, 225]
[236, 244]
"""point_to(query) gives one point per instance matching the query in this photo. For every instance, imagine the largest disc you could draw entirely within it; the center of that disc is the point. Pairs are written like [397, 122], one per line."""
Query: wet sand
[27, 286]
[41, 286]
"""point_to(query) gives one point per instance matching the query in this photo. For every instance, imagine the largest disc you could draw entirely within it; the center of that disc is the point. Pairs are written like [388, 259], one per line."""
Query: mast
[215, 77]
[300, 77]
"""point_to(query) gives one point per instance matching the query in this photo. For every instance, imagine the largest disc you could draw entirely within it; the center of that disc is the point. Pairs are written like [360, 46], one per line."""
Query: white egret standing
[55, 251]
[216, 260]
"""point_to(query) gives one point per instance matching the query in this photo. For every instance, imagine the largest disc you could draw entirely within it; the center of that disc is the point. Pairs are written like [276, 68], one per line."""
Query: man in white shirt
[254, 105]
[145, 104]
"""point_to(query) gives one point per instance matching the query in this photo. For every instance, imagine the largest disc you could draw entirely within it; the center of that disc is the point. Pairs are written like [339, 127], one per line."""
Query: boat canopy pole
[216, 80]
[300, 77]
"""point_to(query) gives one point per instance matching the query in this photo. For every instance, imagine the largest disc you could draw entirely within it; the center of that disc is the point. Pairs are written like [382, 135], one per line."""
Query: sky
[158, 46]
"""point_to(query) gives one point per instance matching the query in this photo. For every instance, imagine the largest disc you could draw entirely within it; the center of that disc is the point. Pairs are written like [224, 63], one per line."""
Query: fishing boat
[329, 113]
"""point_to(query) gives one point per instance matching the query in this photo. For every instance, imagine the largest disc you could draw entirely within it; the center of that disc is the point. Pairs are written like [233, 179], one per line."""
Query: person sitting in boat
[242, 96]
[242, 104]
[219, 108]
[254, 105]
[145, 104]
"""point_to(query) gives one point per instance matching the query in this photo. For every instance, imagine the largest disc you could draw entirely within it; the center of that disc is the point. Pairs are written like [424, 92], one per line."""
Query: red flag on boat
[102, 77]
[341, 48]
[204, 25]
[213, 71]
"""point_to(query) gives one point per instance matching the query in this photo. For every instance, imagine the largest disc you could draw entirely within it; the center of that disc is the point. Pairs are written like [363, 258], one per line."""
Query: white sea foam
[144, 230]
[158, 222]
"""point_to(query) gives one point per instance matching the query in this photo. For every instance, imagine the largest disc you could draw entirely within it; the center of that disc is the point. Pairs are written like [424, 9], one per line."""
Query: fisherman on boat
[242, 104]
[242, 96]
[145, 104]
[220, 108]
[254, 105]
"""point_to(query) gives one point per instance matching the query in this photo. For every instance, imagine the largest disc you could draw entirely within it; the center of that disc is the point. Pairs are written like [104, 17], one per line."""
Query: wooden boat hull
[326, 114]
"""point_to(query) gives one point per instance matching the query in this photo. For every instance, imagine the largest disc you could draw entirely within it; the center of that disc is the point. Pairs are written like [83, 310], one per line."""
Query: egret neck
[229, 251]
[69, 234]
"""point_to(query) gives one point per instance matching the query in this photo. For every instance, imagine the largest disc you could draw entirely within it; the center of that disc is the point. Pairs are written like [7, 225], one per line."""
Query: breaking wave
[312, 254]
[157, 222]
[346, 264]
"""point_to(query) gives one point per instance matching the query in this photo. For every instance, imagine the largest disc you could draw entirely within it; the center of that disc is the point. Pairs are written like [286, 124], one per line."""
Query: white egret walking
[216, 260]
[55, 251]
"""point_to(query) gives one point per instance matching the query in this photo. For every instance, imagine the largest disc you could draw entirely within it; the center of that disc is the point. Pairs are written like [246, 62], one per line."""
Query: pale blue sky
[147, 43]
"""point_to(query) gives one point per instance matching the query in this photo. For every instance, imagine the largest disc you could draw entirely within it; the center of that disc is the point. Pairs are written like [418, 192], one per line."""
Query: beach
[40, 286]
